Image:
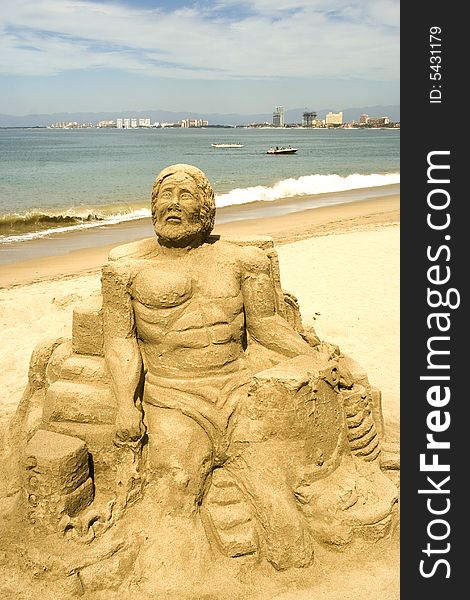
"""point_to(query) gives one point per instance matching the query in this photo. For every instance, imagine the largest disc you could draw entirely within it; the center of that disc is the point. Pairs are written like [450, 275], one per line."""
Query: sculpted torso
[188, 312]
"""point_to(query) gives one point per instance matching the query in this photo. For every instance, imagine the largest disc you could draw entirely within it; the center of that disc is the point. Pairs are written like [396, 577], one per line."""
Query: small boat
[227, 145]
[282, 150]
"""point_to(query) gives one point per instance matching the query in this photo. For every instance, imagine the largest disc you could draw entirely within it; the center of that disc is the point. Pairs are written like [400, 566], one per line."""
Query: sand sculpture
[192, 428]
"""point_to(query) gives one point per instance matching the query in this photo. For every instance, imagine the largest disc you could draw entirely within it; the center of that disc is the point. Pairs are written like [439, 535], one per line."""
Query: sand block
[358, 373]
[238, 541]
[79, 402]
[45, 512]
[228, 517]
[96, 436]
[99, 439]
[274, 411]
[295, 403]
[85, 368]
[55, 463]
[56, 478]
[87, 327]
[224, 495]
[264, 242]
[73, 503]
[283, 399]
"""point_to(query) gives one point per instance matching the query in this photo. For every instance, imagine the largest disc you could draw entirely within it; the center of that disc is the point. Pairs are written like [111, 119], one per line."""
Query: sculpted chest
[166, 284]
[181, 296]
[161, 288]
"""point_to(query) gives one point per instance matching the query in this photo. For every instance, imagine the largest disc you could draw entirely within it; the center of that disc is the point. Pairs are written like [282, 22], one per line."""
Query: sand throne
[72, 374]
[313, 432]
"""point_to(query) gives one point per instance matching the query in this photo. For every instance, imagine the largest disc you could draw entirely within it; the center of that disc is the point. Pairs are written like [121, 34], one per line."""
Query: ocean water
[54, 180]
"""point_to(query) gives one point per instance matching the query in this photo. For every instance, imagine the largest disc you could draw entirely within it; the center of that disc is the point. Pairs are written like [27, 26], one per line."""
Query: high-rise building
[334, 118]
[378, 121]
[106, 123]
[193, 122]
[278, 116]
[119, 123]
[309, 118]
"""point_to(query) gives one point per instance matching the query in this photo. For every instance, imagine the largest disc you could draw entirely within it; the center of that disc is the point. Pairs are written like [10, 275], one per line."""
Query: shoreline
[79, 236]
[85, 251]
[338, 260]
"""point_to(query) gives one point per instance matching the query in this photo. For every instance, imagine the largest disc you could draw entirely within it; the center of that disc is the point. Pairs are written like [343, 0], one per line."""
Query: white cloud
[380, 12]
[319, 38]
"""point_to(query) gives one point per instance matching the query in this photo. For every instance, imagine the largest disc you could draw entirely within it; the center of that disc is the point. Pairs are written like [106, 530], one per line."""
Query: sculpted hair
[206, 193]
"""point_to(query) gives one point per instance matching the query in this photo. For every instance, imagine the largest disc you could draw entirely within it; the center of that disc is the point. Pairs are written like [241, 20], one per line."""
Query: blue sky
[244, 56]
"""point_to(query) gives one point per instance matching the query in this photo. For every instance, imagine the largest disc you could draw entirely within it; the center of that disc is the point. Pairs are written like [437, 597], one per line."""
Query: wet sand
[86, 250]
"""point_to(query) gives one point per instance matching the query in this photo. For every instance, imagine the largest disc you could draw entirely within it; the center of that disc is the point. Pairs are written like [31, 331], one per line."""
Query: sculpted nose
[174, 203]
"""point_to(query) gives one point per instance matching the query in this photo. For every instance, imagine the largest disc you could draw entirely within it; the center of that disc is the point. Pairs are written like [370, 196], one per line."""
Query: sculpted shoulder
[120, 273]
[145, 248]
[245, 256]
[254, 260]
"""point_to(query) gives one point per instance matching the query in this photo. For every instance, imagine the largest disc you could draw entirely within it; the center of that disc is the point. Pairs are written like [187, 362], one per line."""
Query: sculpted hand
[129, 425]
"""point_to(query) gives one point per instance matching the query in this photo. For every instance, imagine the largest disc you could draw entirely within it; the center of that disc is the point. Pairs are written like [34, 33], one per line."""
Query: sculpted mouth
[173, 219]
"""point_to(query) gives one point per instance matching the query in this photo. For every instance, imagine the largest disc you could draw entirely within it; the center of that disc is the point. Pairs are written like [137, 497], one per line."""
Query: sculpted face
[177, 211]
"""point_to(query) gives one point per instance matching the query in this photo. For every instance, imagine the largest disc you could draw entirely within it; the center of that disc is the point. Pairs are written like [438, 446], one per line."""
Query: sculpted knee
[183, 489]
[180, 479]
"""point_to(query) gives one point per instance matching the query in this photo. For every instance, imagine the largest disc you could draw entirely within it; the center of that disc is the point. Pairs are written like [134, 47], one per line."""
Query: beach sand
[342, 263]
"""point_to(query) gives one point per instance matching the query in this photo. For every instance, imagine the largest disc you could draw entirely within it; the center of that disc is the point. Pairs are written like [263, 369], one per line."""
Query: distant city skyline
[208, 55]
[309, 119]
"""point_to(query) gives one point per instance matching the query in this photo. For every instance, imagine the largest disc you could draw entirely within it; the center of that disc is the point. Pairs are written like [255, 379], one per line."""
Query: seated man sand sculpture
[182, 314]
[236, 414]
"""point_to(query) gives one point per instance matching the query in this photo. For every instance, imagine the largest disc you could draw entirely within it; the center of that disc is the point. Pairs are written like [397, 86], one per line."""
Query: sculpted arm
[121, 349]
[263, 323]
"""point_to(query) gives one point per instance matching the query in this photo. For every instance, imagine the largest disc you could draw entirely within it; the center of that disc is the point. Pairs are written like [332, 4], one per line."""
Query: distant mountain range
[293, 115]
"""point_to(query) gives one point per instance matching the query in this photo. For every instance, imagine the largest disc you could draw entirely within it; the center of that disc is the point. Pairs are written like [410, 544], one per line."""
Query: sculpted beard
[178, 233]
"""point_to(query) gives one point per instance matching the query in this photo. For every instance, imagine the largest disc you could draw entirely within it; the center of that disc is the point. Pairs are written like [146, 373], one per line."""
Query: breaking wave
[305, 185]
[35, 224]
[16, 227]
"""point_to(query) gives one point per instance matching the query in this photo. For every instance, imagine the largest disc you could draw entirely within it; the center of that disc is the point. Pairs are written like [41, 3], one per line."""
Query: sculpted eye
[186, 196]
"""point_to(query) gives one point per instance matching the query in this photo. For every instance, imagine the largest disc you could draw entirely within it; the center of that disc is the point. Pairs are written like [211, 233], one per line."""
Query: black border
[427, 127]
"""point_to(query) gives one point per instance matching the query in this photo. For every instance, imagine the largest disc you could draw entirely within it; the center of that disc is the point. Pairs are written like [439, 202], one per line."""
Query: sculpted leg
[180, 454]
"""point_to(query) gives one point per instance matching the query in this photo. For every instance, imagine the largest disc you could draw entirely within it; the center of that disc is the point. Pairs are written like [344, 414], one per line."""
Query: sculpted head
[183, 205]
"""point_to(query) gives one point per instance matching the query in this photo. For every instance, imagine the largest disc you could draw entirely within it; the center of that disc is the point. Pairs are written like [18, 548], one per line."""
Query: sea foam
[39, 224]
[305, 185]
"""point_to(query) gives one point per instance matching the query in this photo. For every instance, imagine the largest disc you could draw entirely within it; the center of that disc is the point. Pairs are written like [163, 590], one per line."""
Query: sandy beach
[342, 263]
